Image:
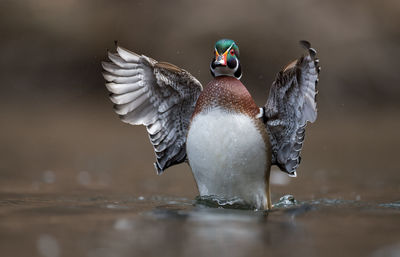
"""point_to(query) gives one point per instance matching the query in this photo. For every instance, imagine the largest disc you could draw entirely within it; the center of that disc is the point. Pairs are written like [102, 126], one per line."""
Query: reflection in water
[99, 226]
[179, 230]
[123, 224]
[48, 246]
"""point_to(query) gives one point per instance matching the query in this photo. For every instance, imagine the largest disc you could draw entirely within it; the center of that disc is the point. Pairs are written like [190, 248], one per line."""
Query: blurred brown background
[59, 133]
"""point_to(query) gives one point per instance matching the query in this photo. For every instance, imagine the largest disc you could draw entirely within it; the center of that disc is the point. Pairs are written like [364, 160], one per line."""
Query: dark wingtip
[116, 43]
[158, 168]
[312, 52]
[305, 44]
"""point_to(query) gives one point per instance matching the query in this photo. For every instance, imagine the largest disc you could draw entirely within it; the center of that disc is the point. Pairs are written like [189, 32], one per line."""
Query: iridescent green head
[226, 59]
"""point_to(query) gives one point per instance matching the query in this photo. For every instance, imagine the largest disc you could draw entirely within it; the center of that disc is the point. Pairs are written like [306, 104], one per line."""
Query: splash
[220, 202]
[214, 201]
[394, 205]
[286, 201]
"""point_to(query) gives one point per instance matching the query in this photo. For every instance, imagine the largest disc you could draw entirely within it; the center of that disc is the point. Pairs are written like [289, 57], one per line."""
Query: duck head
[226, 59]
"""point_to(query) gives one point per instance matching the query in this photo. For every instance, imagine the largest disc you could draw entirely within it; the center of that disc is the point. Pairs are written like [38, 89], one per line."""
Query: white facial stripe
[228, 49]
[236, 68]
[237, 64]
[225, 51]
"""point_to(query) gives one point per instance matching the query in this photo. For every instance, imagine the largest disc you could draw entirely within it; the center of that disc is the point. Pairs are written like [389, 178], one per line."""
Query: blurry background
[60, 135]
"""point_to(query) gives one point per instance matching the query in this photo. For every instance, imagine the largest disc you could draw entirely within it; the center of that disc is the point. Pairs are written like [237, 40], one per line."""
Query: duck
[229, 142]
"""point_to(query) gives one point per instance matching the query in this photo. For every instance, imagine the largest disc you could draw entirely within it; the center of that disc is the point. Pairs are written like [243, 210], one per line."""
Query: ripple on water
[394, 205]
[288, 201]
[220, 202]
[285, 201]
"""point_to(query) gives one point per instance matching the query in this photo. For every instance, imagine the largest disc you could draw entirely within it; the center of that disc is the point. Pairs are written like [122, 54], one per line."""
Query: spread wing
[291, 103]
[157, 95]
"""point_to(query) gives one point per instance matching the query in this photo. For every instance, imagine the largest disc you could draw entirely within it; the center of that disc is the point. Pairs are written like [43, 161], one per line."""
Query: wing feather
[115, 69]
[123, 88]
[159, 95]
[290, 105]
[116, 59]
[122, 80]
[127, 55]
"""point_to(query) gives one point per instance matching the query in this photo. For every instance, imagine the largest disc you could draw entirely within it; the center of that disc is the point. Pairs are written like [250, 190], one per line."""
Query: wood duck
[228, 141]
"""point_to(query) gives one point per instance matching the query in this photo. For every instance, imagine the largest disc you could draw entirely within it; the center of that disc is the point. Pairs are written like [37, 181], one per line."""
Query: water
[70, 187]
[56, 225]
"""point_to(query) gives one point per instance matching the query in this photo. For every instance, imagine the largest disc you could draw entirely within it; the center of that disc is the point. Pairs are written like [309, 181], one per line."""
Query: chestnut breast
[228, 93]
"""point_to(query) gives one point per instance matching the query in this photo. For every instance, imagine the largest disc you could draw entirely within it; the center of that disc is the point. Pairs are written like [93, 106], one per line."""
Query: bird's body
[229, 142]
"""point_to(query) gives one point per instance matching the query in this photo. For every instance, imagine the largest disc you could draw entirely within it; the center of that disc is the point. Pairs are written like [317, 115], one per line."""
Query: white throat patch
[225, 70]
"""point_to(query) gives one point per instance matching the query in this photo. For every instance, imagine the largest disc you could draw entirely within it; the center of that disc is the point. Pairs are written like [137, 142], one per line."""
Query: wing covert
[291, 103]
[158, 95]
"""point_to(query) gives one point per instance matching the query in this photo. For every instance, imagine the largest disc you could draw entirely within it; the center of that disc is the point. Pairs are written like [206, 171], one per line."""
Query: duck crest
[227, 93]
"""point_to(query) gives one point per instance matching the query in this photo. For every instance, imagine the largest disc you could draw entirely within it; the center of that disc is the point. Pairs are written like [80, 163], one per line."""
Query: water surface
[99, 225]
[81, 183]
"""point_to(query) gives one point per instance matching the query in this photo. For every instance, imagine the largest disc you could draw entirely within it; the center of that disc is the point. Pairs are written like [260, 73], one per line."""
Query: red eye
[232, 52]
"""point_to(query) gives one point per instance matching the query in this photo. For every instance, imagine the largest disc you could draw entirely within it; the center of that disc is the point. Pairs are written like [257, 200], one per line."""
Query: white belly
[228, 156]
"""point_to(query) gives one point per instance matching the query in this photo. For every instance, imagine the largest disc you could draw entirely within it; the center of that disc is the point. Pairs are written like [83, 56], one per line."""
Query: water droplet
[286, 201]
[49, 177]
[84, 178]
